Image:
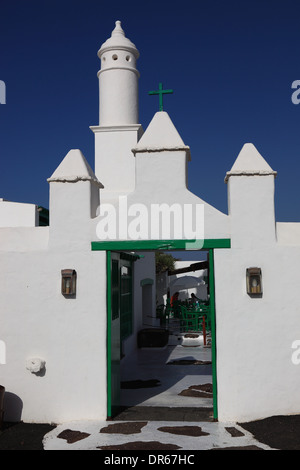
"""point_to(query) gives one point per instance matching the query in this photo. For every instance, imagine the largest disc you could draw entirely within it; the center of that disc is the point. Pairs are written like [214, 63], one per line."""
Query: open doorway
[168, 373]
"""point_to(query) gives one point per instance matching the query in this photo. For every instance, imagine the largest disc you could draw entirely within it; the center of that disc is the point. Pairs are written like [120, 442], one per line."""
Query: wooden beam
[192, 267]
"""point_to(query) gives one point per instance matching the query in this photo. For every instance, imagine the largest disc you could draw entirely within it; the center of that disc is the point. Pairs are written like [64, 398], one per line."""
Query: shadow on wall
[13, 407]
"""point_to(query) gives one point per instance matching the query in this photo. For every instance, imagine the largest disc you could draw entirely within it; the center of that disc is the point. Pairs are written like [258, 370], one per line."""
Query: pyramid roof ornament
[73, 168]
[161, 135]
[250, 163]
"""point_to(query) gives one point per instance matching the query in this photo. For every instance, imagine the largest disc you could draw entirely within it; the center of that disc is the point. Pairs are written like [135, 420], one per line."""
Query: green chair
[189, 320]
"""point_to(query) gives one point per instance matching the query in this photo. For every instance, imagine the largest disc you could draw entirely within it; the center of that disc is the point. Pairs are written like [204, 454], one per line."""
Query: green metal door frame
[108, 331]
[211, 272]
[150, 245]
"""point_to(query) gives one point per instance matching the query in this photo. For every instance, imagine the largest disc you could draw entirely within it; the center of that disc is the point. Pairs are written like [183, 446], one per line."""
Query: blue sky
[231, 65]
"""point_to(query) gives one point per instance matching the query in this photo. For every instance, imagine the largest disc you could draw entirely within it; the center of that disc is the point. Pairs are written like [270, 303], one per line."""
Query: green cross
[160, 92]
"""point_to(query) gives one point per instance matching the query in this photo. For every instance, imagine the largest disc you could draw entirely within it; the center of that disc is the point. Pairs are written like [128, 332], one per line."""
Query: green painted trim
[213, 331]
[143, 245]
[108, 330]
[162, 245]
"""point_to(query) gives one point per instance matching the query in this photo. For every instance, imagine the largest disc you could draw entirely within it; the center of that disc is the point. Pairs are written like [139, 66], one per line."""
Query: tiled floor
[169, 366]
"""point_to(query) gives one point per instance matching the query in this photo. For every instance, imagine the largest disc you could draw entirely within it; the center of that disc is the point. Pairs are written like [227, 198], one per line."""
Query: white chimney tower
[118, 130]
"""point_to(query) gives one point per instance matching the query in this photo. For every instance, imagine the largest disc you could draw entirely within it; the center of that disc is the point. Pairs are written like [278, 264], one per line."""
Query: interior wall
[143, 269]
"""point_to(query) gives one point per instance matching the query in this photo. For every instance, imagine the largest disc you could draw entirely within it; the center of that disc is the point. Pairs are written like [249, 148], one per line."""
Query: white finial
[118, 40]
[118, 29]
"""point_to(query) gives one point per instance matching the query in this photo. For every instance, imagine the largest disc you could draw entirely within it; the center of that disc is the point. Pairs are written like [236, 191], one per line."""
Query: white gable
[74, 167]
[160, 135]
[250, 162]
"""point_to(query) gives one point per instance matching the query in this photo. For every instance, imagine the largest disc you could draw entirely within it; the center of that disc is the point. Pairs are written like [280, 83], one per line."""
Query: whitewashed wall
[37, 321]
[68, 333]
[256, 375]
[16, 214]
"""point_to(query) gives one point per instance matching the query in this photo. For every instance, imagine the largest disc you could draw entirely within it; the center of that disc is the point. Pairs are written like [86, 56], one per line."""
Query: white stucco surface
[288, 233]
[16, 214]
[251, 211]
[68, 333]
[256, 375]
[24, 239]
[114, 160]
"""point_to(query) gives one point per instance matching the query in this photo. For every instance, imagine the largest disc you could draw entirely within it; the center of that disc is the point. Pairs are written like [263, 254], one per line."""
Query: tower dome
[119, 41]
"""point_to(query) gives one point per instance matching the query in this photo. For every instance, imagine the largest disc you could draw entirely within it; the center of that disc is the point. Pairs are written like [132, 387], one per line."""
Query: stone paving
[163, 391]
[150, 435]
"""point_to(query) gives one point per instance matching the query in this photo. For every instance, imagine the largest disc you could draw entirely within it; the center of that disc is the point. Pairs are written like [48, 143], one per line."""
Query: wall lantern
[68, 281]
[254, 282]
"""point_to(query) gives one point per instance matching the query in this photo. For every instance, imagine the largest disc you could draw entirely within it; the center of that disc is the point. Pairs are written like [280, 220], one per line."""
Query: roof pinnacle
[118, 40]
[118, 29]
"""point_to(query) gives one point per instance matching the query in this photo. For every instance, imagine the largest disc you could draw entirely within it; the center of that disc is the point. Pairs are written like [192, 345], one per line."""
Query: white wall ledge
[249, 173]
[74, 179]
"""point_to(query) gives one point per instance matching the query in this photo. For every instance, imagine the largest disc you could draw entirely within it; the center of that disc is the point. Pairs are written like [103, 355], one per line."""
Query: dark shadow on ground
[23, 436]
[162, 413]
[278, 432]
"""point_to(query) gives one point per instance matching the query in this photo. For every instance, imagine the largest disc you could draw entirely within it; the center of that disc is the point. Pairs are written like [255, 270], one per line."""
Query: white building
[63, 340]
